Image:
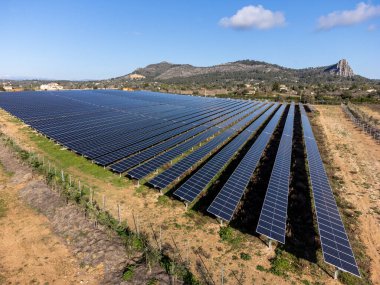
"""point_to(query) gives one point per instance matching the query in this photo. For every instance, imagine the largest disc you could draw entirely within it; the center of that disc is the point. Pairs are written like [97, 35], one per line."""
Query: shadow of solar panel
[336, 247]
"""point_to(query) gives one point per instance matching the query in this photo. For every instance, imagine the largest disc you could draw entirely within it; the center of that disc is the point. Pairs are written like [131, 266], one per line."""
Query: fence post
[91, 197]
[118, 213]
[160, 243]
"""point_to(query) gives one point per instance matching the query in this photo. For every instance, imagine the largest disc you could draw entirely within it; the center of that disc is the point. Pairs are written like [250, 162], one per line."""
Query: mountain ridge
[245, 70]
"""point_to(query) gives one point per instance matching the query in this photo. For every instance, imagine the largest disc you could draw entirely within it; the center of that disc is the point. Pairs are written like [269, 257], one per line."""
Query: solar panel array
[173, 174]
[227, 200]
[137, 133]
[336, 247]
[190, 190]
[272, 221]
[160, 160]
[132, 161]
[107, 126]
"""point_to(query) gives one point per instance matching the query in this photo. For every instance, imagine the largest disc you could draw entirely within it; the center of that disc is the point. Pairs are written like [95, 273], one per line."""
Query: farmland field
[180, 129]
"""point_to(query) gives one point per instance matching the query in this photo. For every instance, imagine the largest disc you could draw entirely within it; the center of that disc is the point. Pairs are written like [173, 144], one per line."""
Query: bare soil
[44, 240]
[372, 111]
[356, 158]
[30, 252]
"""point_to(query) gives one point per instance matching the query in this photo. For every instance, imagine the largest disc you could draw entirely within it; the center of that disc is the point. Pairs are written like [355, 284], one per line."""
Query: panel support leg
[186, 205]
[336, 273]
[270, 244]
[221, 222]
[138, 183]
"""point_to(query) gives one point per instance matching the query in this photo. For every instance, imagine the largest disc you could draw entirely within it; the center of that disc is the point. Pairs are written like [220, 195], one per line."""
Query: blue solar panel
[190, 190]
[174, 173]
[272, 221]
[132, 161]
[336, 247]
[155, 163]
[98, 123]
[138, 142]
[227, 200]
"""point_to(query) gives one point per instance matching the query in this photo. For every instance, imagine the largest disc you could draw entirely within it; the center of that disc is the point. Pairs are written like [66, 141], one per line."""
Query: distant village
[9, 87]
[250, 89]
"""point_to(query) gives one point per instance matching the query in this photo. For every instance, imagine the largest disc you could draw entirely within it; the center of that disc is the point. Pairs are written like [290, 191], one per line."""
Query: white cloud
[250, 17]
[361, 13]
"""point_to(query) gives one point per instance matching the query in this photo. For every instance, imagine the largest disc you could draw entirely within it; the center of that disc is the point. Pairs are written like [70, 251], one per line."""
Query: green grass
[282, 263]
[128, 273]
[64, 159]
[260, 268]
[230, 236]
[245, 256]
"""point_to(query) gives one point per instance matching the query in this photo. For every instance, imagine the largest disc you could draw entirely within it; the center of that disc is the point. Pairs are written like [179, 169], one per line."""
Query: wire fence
[158, 246]
[360, 123]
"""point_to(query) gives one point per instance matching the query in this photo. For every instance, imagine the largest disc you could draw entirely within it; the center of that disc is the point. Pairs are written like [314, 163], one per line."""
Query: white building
[51, 86]
[8, 88]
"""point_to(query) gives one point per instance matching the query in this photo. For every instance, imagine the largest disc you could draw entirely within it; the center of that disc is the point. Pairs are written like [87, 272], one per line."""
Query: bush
[128, 273]
[260, 268]
[245, 256]
[281, 264]
[226, 233]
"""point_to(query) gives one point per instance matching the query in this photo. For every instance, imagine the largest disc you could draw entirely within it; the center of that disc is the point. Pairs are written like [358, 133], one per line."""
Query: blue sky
[101, 39]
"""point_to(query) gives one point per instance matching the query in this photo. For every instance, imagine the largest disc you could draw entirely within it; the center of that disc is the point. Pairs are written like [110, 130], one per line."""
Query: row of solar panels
[137, 143]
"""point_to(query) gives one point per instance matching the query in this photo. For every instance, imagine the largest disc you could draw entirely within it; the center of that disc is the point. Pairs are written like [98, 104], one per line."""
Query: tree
[346, 95]
[276, 87]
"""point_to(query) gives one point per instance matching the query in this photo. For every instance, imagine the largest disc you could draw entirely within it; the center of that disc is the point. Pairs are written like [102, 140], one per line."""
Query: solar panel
[336, 247]
[190, 190]
[105, 156]
[227, 200]
[158, 161]
[272, 221]
[132, 161]
[172, 174]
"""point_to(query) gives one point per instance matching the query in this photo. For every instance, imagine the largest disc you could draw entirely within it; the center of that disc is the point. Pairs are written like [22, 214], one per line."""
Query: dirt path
[30, 253]
[357, 156]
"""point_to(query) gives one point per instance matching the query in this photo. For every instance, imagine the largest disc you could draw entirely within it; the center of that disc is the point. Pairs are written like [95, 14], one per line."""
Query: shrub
[128, 273]
[245, 256]
[260, 268]
[226, 233]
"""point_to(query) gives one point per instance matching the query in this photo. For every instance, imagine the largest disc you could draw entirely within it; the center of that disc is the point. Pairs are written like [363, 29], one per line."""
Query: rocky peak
[342, 68]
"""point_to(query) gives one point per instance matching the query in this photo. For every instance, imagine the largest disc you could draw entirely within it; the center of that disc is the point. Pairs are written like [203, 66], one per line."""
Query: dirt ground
[193, 236]
[44, 240]
[371, 110]
[30, 253]
[357, 156]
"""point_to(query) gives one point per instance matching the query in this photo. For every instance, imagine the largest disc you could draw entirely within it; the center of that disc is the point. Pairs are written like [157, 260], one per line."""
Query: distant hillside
[244, 70]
